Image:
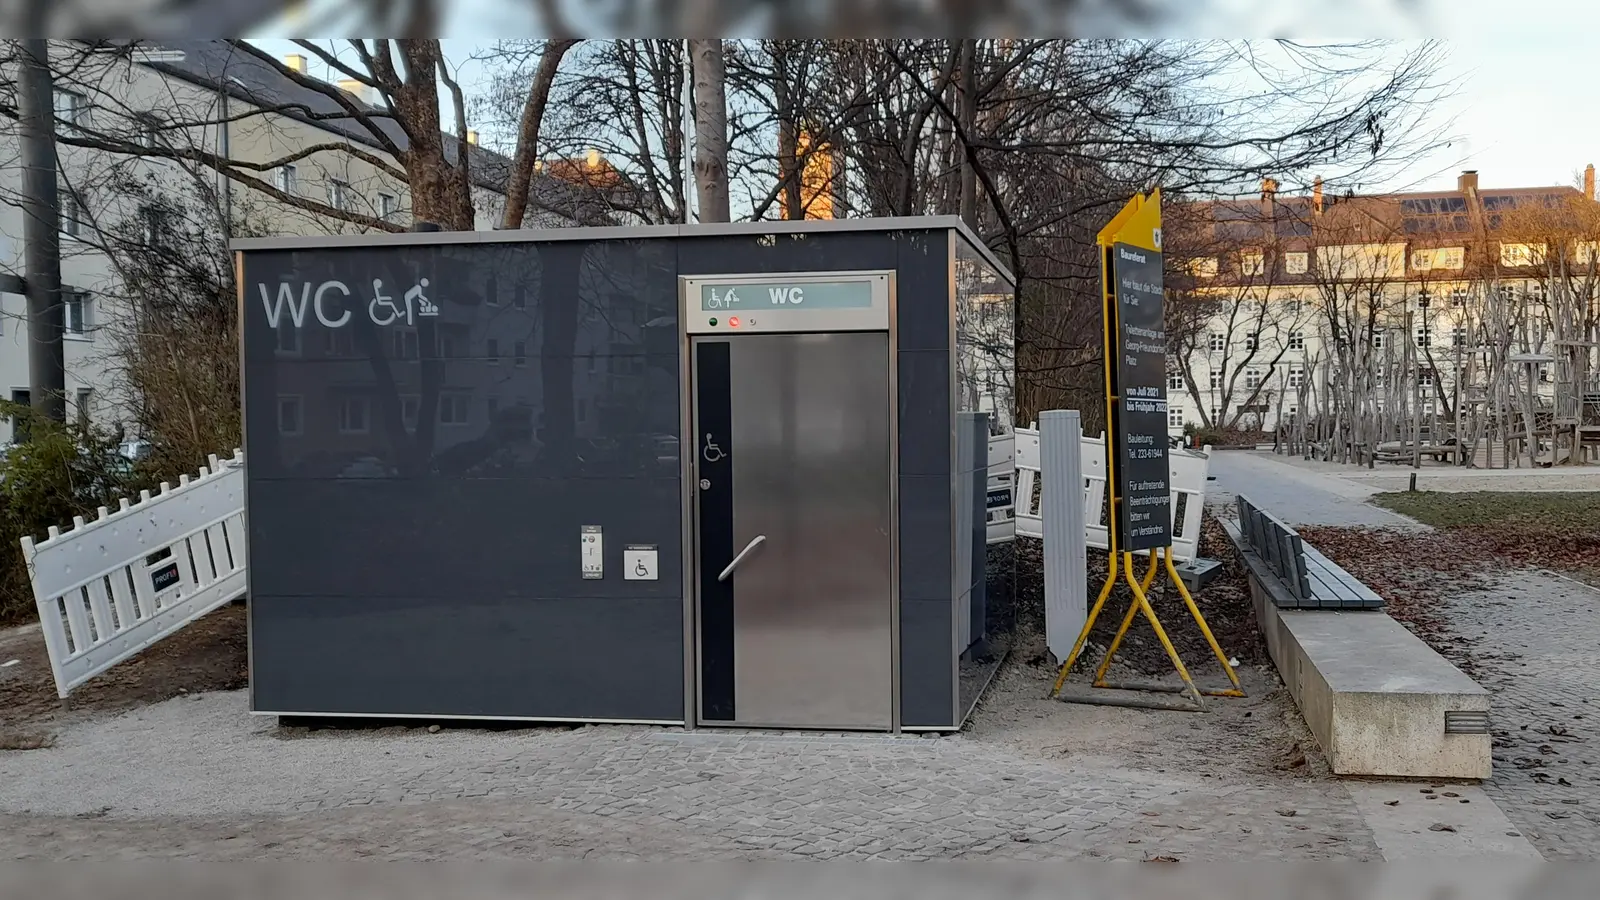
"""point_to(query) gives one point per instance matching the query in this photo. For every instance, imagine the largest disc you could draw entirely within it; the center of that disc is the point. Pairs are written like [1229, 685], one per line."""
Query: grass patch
[1576, 512]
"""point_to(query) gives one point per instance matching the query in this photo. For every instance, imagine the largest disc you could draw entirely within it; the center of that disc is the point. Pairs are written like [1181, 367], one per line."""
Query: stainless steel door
[793, 518]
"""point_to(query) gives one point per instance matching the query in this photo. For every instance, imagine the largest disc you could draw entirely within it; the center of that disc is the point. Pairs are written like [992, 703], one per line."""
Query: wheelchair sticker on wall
[329, 303]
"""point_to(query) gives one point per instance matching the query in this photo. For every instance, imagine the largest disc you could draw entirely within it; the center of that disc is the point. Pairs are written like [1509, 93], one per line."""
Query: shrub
[60, 471]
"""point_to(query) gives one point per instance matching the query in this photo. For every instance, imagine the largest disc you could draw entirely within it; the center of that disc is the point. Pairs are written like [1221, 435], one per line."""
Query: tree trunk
[440, 191]
[710, 130]
[969, 117]
[528, 133]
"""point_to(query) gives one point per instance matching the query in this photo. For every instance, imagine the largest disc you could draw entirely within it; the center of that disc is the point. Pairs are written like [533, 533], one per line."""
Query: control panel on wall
[640, 562]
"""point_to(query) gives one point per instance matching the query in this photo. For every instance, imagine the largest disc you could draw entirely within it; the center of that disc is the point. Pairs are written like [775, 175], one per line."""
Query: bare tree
[710, 129]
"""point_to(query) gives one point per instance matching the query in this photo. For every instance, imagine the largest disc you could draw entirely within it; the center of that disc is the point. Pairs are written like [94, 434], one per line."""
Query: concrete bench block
[1374, 694]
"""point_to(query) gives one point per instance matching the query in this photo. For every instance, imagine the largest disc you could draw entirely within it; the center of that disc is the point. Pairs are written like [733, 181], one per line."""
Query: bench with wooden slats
[1304, 578]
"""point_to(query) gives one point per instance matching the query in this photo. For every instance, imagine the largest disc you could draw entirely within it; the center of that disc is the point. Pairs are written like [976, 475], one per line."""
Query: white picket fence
[110, 588]
[1188, 472]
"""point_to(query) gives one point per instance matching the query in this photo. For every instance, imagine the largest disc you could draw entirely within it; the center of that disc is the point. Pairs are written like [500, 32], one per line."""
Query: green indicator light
[713, 322]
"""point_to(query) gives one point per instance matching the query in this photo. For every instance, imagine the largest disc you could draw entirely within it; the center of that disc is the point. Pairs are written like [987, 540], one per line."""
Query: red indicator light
[733, 321]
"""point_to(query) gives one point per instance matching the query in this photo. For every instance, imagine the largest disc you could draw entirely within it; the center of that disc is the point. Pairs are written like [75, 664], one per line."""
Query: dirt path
[208, 655]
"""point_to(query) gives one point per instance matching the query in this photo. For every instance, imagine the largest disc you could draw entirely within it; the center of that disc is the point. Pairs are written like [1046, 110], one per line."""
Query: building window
[405, 344]
[1174, 380]
[339, 194]
[1521, 255]
[1458, 336]
[519, 354]
[409, 408]
[1205, 267]
[1296, 263]
[388, 205]
[341, 342]
[85, 407]
[1252, 262]
[454, 408]
[353, 416]
[1252, 340]
[1425, 378]
[1252, 379]
[1297, 340]
[76, 310]
[1377, 341]
[1537, 292]
[1458, 298]
[1297, 376]
[449, 343]
[155, 226]
[519, 298]
[70, 107]
[146, 130]
[290, 417]
[287, 178]
[1216, 379]
[1215, 342]
[491, 350]
[1293, 306]
[1424, 337]
[1508, 293]
[71, 213]
[1174, 416]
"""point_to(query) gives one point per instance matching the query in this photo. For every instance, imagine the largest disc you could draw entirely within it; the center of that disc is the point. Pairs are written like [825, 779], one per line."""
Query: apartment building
[211, 98]
[1278, 303]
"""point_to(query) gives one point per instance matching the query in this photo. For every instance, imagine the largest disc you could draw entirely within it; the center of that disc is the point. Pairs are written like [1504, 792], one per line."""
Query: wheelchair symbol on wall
[383, 310]
[711, 452]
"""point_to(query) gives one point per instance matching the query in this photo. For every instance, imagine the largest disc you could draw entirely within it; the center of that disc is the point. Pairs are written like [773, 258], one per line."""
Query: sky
[1518, 116]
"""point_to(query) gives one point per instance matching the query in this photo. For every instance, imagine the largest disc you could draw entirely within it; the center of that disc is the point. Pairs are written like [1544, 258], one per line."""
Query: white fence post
[1066, 591]
[102, 596]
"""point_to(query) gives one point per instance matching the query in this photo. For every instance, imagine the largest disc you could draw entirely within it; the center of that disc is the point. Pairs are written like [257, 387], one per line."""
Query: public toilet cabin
[719, 475]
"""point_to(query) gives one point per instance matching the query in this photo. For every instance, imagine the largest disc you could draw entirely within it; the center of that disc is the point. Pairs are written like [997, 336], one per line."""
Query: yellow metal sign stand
[1138, 225]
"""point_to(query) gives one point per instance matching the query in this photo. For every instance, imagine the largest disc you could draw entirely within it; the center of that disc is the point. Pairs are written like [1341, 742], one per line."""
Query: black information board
[1141, 426]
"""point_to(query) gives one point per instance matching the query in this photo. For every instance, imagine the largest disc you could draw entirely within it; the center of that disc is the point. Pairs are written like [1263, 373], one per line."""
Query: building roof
[1422, 217]
[1469, 217]
[219, 65]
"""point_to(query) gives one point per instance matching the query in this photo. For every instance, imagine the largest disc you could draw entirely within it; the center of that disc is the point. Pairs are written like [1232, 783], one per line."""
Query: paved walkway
[1534, 636]
[199, 778]
[1297, 495]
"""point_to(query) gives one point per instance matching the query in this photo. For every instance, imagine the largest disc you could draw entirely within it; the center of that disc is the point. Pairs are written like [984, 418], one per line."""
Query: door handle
[755, 542]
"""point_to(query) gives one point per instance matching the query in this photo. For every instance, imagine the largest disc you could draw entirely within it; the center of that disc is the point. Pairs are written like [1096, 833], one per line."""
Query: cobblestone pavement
[200, 779]
[1295, 494]
[1534, 637]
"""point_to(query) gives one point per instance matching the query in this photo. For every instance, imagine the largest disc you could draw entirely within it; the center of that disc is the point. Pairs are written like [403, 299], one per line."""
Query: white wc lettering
[322, 315]
[383, 309]
[297, 312]
[786, 295]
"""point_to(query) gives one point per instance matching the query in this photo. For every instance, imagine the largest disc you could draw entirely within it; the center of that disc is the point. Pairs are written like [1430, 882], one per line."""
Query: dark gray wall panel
[925, 529]
[470, 539]
[463, 418]
[926, 420]
[927, 664]
[819, 252]
[922, 291]
[576, 657]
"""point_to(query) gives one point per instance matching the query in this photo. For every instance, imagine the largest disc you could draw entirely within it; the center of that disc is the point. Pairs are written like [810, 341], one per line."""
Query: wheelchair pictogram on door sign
[640, 562]
[711, 452]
